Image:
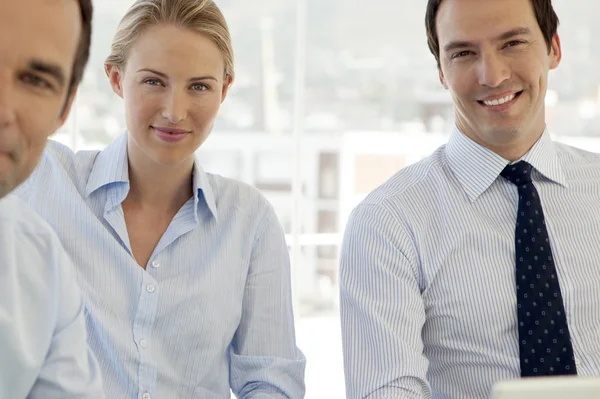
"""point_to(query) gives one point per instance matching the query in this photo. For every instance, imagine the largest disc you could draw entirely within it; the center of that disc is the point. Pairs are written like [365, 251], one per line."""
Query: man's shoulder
[421, 175]
[29, 246]
[576, 155]
[26, 239]
[578, 163]
[19, 217]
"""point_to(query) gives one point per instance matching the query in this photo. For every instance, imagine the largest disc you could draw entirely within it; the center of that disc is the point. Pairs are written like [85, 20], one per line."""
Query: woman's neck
[159, 187]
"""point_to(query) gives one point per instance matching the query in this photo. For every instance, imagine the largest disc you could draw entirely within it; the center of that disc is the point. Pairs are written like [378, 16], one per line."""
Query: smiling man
[44, 46]
[481, 262]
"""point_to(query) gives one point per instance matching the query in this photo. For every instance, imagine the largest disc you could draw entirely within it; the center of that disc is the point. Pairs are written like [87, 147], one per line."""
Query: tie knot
[519, 173]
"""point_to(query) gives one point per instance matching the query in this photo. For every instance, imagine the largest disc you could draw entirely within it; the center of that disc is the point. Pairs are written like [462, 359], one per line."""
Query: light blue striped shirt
[43, 348]
[212, 311]
[428, 299]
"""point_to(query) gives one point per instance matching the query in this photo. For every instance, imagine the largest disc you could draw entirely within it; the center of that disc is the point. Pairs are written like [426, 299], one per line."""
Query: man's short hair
[544, 13]
[83, 48]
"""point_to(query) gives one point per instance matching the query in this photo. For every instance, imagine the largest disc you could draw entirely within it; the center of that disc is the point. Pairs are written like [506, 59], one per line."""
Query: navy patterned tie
[544, 339]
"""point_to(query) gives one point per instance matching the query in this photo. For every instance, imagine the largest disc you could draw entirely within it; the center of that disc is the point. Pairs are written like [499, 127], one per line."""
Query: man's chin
[506, 127]
[5, 188]
[506, 131]
[13, 174]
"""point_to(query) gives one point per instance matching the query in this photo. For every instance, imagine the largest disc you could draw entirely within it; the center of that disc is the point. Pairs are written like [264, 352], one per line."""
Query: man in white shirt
[450, 271]
[44, 46]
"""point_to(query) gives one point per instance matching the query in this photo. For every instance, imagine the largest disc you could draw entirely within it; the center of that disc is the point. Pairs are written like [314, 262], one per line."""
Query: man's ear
[442, 79]
[555, 52]
[67, 107]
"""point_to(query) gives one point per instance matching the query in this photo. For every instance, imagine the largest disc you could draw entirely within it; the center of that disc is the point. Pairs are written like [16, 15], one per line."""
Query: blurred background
[331, 98]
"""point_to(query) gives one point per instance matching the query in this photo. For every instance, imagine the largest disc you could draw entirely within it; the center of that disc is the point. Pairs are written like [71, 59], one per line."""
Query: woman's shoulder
[75, 164]
[58, 168]
[234, 193]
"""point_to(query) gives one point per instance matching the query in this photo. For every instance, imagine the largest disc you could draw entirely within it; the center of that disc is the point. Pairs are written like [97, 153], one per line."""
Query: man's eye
[461, 54]
[35, 81]
[513, 43]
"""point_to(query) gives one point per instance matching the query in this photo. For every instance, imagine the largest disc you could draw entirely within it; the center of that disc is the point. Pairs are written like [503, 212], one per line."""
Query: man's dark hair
[544, 13]
[83, 48]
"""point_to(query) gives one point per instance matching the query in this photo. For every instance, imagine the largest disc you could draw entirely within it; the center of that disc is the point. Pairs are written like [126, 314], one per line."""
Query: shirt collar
[203, 190]
[545, 160]
[111, 167]
[477, 167]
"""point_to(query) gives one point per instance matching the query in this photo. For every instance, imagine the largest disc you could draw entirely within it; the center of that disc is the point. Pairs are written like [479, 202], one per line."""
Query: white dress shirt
[428, 290]
[43, 349]
[210, 313]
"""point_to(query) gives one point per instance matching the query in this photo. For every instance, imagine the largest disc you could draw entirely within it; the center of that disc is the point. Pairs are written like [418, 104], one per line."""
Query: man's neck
[511, 149]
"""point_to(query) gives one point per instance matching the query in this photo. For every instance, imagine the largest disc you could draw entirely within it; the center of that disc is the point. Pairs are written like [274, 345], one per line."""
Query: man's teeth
[500, 101]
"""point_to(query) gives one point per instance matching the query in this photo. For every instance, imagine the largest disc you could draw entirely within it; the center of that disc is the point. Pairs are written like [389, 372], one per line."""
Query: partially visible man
[482, 262]
[44, 46]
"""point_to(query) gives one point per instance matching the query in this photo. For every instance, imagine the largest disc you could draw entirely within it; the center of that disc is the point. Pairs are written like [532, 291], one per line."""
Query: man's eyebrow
[455, 45]
[514, 32]
[460, 44]
[55, 71]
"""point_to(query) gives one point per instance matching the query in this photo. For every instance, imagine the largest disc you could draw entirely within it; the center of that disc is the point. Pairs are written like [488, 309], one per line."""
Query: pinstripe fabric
[428, 299]
[212, 309]
[43, 348]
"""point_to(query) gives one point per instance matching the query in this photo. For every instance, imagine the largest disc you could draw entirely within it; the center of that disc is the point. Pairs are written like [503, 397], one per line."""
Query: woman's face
[173, 85]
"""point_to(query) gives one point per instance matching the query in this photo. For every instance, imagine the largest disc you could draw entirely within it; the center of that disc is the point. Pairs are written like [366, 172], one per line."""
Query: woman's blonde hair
[202, 16]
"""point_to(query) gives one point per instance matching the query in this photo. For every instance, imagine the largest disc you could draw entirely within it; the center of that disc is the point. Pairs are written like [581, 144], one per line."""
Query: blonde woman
[185, 274]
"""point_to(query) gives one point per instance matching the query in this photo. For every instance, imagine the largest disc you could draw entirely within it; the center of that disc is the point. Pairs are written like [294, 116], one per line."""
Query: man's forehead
[466, 20]
[42, 29]
[56, 7]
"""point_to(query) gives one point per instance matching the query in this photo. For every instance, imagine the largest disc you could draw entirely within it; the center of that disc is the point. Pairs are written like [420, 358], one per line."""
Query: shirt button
[150, 288]
[146, 396]
[577, 362]
[155, 263]
[144, 343]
